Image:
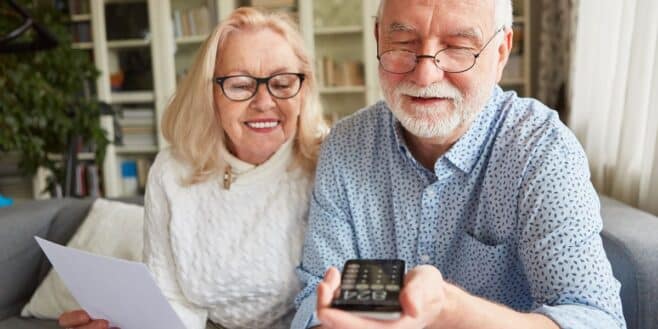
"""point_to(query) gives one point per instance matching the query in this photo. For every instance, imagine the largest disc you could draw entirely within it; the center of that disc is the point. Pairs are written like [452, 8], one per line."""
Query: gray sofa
[629, 237]
[22, 264]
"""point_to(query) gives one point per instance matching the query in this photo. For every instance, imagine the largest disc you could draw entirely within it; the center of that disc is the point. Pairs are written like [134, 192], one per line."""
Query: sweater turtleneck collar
[243, 173]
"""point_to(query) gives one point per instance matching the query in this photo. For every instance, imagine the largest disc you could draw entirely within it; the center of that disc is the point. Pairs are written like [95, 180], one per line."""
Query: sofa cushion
[112, 229]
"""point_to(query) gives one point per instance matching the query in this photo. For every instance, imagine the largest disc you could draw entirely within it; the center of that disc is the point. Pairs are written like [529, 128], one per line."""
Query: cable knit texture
[228, 256]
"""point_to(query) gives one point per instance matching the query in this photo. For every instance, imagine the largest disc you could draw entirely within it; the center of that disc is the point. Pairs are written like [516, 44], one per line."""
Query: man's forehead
[458, 31]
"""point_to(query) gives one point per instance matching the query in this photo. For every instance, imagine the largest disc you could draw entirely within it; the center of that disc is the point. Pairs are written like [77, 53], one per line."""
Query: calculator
[371, 288]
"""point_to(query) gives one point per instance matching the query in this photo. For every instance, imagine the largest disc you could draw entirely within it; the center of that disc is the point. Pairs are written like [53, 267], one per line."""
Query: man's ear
[504, 50]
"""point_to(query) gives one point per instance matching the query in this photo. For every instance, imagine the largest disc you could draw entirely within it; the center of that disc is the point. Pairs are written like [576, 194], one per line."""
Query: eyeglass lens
[244, 87]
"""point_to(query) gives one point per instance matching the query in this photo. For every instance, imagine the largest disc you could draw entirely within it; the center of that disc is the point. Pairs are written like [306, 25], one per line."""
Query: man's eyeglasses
[450, 60]
[243, 87]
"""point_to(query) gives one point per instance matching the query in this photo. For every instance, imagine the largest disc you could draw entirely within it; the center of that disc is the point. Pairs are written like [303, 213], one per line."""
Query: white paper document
[120, 291]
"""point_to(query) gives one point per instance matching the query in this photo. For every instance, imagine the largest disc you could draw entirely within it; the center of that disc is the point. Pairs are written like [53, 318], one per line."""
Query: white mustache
[435, 90]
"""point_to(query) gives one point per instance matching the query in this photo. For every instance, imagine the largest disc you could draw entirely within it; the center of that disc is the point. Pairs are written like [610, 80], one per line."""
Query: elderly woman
[226, 204]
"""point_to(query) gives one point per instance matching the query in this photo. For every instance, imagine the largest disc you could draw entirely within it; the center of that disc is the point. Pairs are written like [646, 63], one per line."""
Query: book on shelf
[81, 32]
[87, 182]
[137, 113]
[518, 39]
[514, 67]
[191, 22]
[134, 175]
[79, 7]
[270, 4]
[333, 73]
[138, 136]
[143, 167]
[136, 122]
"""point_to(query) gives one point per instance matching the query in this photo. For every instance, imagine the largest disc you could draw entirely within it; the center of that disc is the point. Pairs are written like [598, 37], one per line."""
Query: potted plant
[43, 109]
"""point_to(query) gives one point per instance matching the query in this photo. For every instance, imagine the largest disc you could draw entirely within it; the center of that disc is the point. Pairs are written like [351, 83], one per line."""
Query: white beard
[431, 121]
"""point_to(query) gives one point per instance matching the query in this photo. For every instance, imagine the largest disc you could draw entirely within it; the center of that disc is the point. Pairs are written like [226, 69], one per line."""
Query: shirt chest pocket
[482, 269]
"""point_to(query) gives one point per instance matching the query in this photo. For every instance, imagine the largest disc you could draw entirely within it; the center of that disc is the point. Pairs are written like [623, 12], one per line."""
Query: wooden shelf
[342, 90]
[122, 97]
[82, 45]
[186, 40]
[354, 29]
[136, 149]
[129, 43]
[81, 18]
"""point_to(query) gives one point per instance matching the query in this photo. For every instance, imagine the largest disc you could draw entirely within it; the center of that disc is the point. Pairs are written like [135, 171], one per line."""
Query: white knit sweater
[227, 255]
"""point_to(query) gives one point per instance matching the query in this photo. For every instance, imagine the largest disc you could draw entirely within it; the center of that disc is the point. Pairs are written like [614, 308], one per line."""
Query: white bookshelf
[107, 56]
[342, 32]
[171, 53]
[517, 74]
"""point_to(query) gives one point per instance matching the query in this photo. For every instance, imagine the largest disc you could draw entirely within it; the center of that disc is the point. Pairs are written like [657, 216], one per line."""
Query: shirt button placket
[427, 224]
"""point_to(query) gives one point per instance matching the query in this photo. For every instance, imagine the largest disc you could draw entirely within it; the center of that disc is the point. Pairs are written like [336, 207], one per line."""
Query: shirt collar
[465, 153]
[247, 173]
[468, 148]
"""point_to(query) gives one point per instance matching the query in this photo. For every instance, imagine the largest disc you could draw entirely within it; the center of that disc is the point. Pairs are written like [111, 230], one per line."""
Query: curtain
[614, 97]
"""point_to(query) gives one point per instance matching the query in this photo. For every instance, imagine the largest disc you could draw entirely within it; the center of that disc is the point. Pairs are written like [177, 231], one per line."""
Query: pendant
[228, 178]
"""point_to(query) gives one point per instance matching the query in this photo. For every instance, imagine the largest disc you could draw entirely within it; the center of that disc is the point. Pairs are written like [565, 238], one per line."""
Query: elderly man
[484, 194]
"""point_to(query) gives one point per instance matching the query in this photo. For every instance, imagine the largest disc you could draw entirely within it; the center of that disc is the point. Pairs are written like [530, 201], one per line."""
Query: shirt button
[424, 258]
[431, 193]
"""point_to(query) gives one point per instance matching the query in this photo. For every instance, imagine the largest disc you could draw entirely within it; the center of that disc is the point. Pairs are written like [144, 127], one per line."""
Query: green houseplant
[41, 101]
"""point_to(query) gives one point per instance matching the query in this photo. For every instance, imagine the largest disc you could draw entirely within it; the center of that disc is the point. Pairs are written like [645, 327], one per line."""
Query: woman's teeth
[262, 125]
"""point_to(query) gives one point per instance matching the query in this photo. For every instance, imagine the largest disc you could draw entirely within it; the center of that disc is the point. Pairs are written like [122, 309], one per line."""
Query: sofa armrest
[20, 256]
[630, 239]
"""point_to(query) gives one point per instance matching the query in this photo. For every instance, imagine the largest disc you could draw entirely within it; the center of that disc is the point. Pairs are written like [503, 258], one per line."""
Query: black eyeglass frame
[259, 81]
[436, 62]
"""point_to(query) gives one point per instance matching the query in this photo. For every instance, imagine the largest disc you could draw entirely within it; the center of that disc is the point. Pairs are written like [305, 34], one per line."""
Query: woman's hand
[79, 319]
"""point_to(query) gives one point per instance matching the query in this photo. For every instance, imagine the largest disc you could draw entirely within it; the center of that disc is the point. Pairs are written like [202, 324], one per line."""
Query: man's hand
[424, 298]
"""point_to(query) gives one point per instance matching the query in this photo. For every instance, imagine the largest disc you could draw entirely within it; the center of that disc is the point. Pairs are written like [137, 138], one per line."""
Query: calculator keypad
[371, 284]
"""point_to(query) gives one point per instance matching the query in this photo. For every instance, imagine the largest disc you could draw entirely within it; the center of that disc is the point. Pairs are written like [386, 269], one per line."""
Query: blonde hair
[191, 122]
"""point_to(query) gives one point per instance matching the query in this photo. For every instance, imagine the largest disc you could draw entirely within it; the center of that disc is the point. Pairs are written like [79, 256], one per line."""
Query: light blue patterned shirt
[508, 213]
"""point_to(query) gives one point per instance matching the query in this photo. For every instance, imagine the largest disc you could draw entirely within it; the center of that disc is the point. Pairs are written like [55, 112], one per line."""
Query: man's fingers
[327, 287]
[74, 319]
[410, 302]
[332, 277]
[325, 294]
[334, 318]
[415, 298]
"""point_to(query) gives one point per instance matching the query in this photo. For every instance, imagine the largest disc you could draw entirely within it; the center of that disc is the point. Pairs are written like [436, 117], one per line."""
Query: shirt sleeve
[560, 246]
[157, 250]
[329, 240]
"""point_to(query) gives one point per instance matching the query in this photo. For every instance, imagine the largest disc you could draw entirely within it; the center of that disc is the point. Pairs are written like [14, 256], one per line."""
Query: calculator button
[377, 286]
[362, 286]
[353, 266]
[392, 287]
[347, 286]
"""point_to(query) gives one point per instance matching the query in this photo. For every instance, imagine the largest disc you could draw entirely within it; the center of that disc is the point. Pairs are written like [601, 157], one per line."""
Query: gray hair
[502, 17]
